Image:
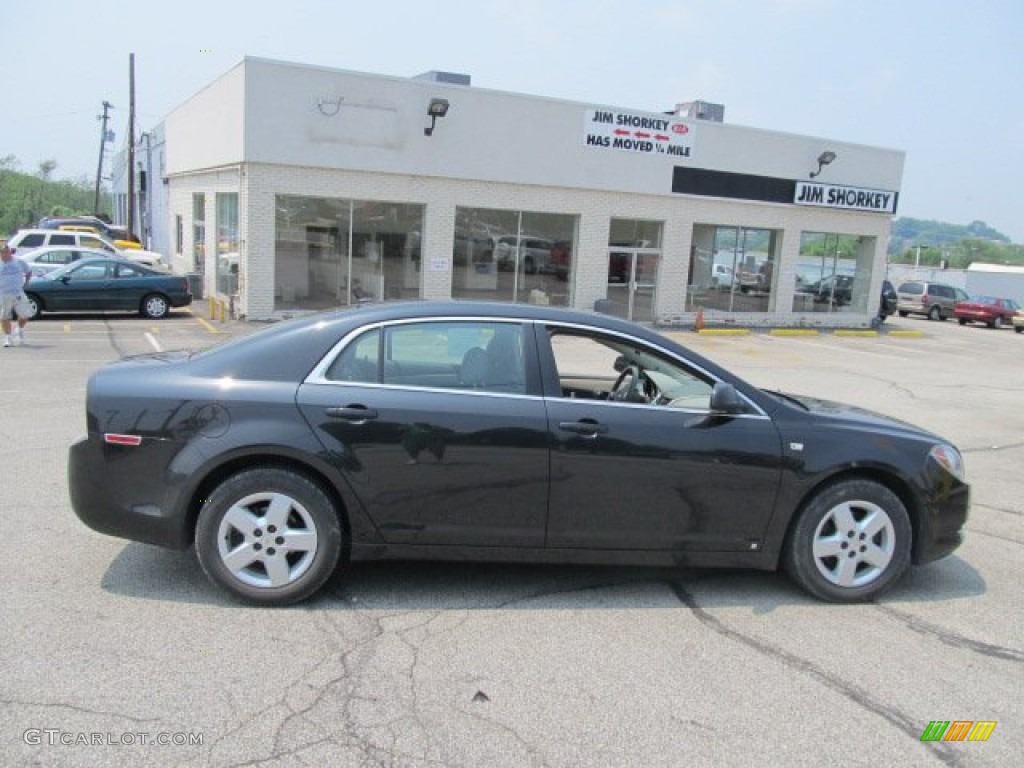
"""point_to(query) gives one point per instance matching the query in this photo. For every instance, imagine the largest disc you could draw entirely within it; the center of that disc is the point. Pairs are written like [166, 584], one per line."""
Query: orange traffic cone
[699, 324]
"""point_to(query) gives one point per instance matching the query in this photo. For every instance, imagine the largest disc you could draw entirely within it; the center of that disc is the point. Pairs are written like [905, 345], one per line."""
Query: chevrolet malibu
[501, 432]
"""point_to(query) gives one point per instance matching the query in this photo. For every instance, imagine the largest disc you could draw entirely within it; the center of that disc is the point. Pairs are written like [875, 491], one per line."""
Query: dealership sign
[848, 198]
[638, 132]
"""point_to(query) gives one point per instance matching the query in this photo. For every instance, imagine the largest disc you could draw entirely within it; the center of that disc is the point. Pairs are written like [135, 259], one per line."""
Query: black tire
[36, 304]
[529, 266]
[997, 322]
[903, 313]
[1018, 328]
[155, 306]
[245, 552]
[869, 529]
[963, 321]
[935, 313]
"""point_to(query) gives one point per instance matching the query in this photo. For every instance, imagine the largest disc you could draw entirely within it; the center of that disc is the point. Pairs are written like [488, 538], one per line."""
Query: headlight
[949, 458]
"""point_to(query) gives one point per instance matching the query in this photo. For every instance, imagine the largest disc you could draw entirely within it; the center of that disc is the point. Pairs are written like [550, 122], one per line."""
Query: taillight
[925, 300]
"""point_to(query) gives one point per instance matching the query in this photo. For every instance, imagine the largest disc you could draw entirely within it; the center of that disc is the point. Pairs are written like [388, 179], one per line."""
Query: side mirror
[725, 399]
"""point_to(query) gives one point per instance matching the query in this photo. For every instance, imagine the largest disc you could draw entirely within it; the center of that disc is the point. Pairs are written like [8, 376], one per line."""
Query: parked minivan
[920, 297]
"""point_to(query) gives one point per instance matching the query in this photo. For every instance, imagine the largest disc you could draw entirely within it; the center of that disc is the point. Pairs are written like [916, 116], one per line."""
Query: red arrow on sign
[660, 137]
[620, 132]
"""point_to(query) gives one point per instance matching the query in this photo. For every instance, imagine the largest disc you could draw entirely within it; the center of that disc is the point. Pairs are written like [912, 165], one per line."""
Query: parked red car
[991, 310]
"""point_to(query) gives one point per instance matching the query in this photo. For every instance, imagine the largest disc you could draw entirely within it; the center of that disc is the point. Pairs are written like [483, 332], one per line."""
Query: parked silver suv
[27, 240]
[921, 297]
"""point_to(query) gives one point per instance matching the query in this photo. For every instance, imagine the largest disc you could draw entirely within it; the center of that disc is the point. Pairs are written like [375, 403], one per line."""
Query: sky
[941, 80]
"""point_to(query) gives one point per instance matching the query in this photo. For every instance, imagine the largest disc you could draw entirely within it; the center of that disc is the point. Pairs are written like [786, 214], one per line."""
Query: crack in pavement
[853, 693]
[951, 638]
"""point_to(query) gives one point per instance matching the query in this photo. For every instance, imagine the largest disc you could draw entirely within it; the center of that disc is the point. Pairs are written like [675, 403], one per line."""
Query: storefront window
[833, 273]
[732, 269]
[199, 233]
[518, 256]
[227, 243]
[333, 252]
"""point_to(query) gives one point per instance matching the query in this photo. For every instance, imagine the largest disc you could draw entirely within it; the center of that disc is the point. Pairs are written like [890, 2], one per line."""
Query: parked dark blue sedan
[476, 431]
[108, 284]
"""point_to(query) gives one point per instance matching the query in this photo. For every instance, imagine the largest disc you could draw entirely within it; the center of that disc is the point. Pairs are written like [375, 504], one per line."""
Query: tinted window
[32, 241]
[912, 288]
[59, 239]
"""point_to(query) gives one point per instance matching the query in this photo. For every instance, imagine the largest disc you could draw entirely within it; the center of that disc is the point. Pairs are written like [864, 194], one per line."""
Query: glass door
[634, 253]
[632, 279]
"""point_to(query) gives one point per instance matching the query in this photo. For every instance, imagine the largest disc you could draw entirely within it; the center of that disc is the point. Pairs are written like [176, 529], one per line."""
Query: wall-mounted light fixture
[824, 159]
[437, 108]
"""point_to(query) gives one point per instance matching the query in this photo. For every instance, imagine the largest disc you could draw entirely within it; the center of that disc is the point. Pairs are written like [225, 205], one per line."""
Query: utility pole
[131, 143]
[103, 140]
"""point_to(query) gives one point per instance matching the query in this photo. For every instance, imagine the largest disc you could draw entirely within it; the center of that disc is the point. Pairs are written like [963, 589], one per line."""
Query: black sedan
[108, 284]
[499, 432]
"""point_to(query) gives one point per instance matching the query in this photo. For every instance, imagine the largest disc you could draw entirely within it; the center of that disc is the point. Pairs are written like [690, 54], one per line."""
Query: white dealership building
[292, 188]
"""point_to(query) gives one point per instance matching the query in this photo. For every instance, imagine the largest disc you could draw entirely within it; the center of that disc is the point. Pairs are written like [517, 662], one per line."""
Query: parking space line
[153, 342]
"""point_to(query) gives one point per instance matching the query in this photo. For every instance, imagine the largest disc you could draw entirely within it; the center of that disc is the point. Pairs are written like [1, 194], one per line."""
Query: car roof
[289, 350]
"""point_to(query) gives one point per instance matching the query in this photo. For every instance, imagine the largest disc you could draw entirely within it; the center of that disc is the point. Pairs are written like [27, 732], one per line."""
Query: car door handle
[355, 414]
[586, 428]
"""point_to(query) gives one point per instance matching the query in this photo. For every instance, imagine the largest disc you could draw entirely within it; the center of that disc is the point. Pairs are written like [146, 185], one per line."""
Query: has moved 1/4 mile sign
[638, 132]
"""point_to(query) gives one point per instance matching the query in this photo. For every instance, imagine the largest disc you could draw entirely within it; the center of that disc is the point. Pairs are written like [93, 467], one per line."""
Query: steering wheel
[631, 393]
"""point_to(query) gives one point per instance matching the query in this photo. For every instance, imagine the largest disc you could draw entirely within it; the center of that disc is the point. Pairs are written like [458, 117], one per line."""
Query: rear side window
[915, 289]
[359, 361]
[32, 241]
[943, 291]
[59, 239]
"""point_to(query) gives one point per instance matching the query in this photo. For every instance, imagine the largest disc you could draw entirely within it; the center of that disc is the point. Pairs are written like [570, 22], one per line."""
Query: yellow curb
[724, 331]
[907, 334]
[793, 332]
[855, 333]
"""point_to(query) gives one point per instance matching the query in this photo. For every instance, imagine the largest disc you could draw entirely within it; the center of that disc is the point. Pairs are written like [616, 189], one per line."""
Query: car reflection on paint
[500, 432]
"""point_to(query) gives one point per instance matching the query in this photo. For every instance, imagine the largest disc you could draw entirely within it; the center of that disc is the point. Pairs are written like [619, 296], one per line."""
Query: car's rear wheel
[997, 322]
[903, 313]
[935, 313]
[155, 306]
[269, 535]
[851, 542]
[963, 320]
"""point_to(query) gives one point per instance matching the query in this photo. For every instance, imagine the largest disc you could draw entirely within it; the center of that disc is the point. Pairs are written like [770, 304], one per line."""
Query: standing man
[14, 276]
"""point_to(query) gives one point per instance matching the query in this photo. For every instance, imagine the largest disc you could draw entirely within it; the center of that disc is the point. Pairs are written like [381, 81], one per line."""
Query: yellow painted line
[907, 334]
[67, 327]
[793, 332]
[855, 333]
[723, 331]
[206, 325]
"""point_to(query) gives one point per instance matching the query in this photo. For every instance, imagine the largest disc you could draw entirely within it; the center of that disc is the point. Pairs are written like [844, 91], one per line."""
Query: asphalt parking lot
[109, 647]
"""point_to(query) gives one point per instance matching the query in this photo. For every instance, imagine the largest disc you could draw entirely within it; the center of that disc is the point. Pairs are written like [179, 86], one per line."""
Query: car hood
[837, 413]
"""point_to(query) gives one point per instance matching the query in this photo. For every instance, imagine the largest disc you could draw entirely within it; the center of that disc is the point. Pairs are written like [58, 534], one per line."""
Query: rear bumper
[114, 503]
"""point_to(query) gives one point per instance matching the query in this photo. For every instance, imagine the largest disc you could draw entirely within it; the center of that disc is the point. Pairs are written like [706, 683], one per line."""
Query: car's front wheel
[851, 541]
[155, 307]
[997, 322]
[269, 535]
[935, 313]
[35, 306]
